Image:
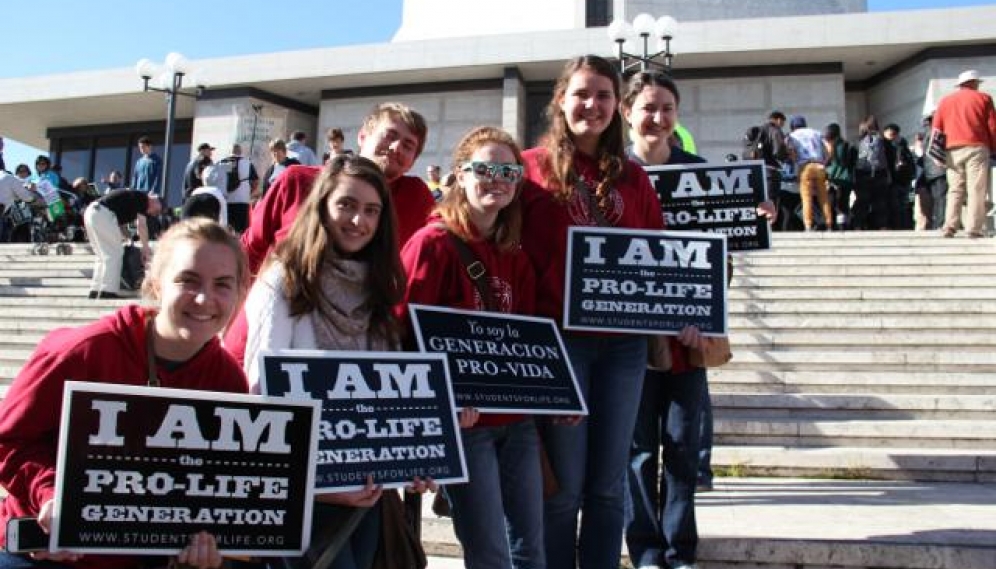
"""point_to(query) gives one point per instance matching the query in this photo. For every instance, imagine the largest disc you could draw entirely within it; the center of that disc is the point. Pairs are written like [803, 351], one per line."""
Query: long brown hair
[454, 207]
[559, 141]
[308, 242]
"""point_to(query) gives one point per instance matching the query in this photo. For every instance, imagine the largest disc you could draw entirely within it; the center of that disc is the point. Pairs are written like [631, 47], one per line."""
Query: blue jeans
[498, 513]
[11, 561]
[663, 532]
[590, 459]
[705, 437]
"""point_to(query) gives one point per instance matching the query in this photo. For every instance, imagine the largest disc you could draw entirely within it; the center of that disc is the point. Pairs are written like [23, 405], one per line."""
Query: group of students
[340, 250]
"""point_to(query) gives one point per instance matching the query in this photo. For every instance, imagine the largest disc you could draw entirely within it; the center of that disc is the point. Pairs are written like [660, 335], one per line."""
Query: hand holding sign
[727, 199]
[202, 552]
[362, 498]
[45, 521]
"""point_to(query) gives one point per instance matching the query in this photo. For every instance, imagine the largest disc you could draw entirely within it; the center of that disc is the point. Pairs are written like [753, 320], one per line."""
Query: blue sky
[61, 36]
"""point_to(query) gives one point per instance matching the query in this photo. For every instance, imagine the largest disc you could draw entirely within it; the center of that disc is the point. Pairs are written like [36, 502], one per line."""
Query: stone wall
[718, 111]
[223, 122]
[449, 116]
[900, 98]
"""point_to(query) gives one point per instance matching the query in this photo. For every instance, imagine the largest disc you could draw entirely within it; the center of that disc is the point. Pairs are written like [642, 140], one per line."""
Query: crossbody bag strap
[476, 270]
[150, 351]
[586, 194]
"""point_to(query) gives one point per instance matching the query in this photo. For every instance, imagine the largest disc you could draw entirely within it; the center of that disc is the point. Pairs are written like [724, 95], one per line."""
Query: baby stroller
[50, 222]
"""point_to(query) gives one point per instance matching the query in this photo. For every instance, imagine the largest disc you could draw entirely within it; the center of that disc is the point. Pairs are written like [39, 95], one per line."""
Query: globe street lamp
[169, 77]
[644, 26]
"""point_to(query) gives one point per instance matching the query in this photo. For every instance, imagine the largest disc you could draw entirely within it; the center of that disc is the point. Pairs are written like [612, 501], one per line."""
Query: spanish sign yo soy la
[645, 281]
[503, 363]
[140, 469]
[389, 415]
[715, 198]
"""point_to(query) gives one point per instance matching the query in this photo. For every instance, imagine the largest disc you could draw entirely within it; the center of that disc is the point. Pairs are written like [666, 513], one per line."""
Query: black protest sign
[389, 415]
[141, 469]
[502, 363]
[715, 198]
[640, 281]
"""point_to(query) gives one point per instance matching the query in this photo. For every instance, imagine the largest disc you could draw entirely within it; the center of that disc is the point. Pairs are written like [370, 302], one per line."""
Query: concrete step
[890, 270]
[45, 263]
[778, 280]
[884, 322]
[766, 523]
[936, 465]
[62, 301]
[729, 380]
[15, 272]
[915, 340]
[922, 238]
[866, 359]
[18, 292]
[860, 308]
[826, 406]
[46, 281]
[898, 433]
[857, 293]
[86, 310]
[882, 257]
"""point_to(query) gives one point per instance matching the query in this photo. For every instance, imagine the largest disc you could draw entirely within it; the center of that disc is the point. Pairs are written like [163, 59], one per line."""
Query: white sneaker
[692, 566]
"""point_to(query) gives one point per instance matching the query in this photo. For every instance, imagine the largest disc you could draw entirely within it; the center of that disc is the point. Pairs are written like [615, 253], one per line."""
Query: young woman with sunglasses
[581, 164]
[498, 513]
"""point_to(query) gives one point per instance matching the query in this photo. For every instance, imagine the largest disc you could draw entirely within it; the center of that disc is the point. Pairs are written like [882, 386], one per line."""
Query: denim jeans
[590, 459]
[498, 513]
[11, 561]
[663, 531]
[705, 437]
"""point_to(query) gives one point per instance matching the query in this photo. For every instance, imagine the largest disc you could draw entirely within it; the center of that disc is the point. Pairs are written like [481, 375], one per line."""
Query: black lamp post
[644, 26]
[171, 75]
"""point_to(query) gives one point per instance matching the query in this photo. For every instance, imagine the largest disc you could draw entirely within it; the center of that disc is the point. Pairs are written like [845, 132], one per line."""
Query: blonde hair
[454, 207]
[200, 230]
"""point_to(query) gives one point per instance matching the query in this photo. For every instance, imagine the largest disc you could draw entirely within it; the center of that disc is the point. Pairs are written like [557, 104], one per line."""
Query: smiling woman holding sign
[675, 401]
[479, 221]
[672, 400]
[581, 176]
[197, 279]
[331, 285]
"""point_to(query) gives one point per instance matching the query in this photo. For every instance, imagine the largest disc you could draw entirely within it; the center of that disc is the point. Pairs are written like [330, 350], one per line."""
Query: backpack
[233, 181]
[871, 154]
[841, 168]
[754, 143]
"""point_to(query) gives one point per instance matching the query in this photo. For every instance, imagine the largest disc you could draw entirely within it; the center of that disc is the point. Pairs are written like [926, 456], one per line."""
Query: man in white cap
[968, 120]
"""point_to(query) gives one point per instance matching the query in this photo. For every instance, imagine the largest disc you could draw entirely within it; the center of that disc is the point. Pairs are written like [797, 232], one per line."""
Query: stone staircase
[861, 355]
[855, 426]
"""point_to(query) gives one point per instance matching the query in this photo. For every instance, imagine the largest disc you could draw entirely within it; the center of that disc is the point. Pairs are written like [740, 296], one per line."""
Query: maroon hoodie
[111, 350]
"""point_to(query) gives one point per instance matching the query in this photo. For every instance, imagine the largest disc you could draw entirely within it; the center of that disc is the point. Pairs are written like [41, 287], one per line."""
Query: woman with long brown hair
[331, 284]
[580, 175]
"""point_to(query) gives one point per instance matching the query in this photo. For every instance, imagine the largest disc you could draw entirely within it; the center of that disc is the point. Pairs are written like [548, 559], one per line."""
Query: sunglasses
[494, 171]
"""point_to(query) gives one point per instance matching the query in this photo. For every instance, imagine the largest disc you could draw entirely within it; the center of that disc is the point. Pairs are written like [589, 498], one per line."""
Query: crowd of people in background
[339, 247]
[880, 180]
